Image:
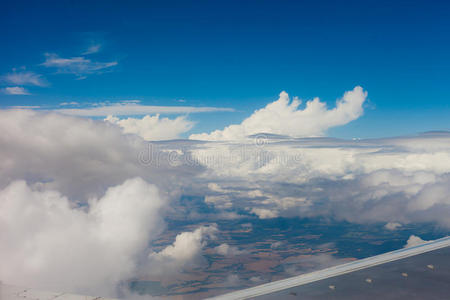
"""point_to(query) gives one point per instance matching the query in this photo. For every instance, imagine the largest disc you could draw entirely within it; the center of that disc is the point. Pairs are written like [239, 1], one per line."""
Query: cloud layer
[133, 109]
[395, 181]
[80, 195]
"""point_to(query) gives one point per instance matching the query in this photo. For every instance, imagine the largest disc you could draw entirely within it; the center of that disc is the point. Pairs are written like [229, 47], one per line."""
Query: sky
[236, 54]
[263, 103]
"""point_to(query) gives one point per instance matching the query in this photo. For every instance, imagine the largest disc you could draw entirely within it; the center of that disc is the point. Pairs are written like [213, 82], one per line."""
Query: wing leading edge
[293, 286]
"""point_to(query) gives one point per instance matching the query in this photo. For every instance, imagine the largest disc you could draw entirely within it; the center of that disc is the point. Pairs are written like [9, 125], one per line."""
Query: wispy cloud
[124, 108]
[25, 78]
[69, 103]
[15, 90]
[24, 107]
[92, 49]
[78, 65]
[132, 109]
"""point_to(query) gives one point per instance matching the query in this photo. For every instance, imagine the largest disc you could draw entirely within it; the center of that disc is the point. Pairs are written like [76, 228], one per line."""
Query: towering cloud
[48, 243]
[284, 117]
[185, 252]
[78, 205]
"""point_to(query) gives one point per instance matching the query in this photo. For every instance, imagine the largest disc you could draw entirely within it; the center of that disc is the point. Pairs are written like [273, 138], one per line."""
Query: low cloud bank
[395, 181]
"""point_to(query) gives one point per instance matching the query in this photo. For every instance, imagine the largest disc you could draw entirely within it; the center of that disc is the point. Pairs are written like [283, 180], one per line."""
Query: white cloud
[153, 127]
[219, 201]
[133, 109]
[78, 157]
[24, 107]
[232, 280]
[15, 90]
[414, 241]
[25, 78]
[185, 252]
[69, 103]
[406, 179]
[50, 244]
[309, 263]
[81, 159]
[264, 213]
[276, 245]
[285, 118]
[392, 225]
[92, 49]
[187, 245]
[227, 250]
[79, 65]
[256, 279]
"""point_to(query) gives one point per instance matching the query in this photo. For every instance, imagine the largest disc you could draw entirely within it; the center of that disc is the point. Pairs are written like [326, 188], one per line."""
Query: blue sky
[236, 54]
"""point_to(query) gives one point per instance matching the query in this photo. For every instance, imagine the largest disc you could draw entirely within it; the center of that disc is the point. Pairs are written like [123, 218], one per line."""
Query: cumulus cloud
[284, 117]
[48, 243]
[227, 250]
[79, 157]
[232, 280]
[15, 90]
[25, 78]
[79, 65]
[220, 201]
[66, 160]
[392, 225]
[153, 127]
[414, 241]
[256, 279]
[276, 245]
[53, 168]
[185, 252]
[264, 213]
[309, 263]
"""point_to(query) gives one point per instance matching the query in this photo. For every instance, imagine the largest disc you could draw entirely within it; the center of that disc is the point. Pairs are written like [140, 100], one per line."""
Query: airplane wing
[418, 272]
